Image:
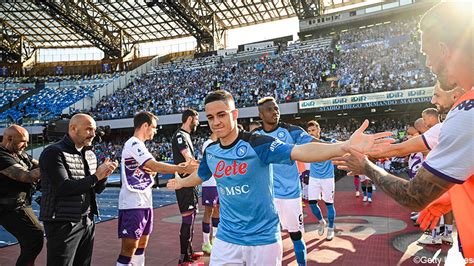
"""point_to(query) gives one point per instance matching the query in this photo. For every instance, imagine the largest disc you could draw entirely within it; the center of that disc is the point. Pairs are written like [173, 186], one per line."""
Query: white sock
[448, 229]
[214, 231]
[205, 238]
[138, 260]
[121, 264]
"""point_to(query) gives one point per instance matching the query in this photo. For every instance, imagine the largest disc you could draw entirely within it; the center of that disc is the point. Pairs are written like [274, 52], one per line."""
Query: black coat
[68, 183]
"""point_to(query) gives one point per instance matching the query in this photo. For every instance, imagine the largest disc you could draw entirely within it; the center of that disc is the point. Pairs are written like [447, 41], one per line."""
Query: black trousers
[69, 243]
[24, 225]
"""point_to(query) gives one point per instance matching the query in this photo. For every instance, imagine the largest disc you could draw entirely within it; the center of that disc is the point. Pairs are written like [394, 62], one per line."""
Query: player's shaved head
[411, 131]
[14, 132]
[15, 138]
[420, 125]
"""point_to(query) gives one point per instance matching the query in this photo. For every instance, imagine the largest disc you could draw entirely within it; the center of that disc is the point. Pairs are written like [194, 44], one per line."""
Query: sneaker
[321, 226]
[447, 238]
[415, 217]
[369, 200]
[330, 234]
[185, 262]
[429, 240]
[364, 199]
[196, 255]
[374, 188]
[207, 248]
[357, 194]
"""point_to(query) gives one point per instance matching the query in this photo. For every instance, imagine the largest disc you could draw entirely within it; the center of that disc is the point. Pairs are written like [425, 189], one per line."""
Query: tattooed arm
[19, 173]
[415, 194]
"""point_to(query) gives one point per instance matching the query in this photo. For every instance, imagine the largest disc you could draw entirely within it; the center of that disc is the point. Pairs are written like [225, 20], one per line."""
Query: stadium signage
[368, 100]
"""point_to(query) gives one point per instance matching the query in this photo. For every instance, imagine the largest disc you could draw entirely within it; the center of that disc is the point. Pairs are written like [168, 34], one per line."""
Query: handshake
[188, 167]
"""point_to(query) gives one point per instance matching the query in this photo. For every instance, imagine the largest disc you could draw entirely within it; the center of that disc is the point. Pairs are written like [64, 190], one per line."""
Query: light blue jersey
[286, 181]
[322, 170]
[243, 175]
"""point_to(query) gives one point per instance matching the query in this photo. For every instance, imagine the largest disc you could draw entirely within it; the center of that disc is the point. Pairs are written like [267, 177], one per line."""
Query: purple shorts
[134, 223]
[210, 196]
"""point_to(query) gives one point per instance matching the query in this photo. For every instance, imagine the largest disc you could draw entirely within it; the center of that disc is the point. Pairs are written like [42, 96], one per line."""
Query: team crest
[281, 135]
[241, 151]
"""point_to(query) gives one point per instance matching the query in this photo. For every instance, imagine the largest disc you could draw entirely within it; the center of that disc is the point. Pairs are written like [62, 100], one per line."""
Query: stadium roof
[109, 25]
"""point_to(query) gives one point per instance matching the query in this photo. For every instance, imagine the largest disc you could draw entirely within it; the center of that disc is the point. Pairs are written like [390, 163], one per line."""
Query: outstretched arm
[415, 194]
[415, 144]
[178, 182]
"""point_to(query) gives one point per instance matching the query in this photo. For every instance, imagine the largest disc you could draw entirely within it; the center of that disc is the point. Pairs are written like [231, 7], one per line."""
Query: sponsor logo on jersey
[134, 143]
[234, 190]
[274, 145]
[223, 169]
[180, 140]
[466, 105]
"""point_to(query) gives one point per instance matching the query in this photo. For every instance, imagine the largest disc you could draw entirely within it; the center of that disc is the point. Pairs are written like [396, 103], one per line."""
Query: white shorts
[290, 213]
[224, 253]
[364, 178]
[321, 188]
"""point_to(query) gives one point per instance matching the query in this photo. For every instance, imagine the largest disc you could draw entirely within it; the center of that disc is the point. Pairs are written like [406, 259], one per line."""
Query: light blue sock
[331, 214]
[369, 194]
[300, 252]
[316, 210]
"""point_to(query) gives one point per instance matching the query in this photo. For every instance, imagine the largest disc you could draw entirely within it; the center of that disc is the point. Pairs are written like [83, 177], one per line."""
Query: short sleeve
[271, 150]
[204, 172]
[181, 143]
[431, 137]
[453, 158]
[140, 153]
[299, 135]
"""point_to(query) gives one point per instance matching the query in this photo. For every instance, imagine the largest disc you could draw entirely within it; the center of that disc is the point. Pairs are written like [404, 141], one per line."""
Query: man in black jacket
[19, 174]
[70, 179]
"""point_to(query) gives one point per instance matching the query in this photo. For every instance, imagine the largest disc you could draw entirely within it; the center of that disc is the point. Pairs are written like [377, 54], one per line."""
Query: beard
[443, 78]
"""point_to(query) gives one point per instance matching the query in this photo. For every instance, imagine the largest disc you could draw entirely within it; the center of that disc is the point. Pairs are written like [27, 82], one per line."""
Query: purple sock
[215, 222]
[124, 259]
[139, 251]
[206, 227]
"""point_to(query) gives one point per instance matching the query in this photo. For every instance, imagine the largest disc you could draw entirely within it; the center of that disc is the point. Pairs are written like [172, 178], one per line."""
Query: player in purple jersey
[135, 198]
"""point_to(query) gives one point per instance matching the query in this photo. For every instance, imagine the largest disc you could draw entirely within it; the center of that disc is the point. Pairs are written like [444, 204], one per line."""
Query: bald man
[70, 180]
[19, 174]
[420, 125]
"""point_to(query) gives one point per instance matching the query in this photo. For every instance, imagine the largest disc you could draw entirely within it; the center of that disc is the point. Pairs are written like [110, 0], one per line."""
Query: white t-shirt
[212, 181]
[431, 137]
[453, 158]
[135, 192]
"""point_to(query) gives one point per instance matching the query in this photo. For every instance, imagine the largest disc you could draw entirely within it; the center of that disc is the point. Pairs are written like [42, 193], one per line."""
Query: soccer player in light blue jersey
[322, 185]
[240, 162]
[286, 185]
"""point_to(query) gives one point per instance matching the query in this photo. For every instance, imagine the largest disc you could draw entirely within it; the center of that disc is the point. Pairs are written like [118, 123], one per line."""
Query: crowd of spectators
[159, 147]
[301, 74]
